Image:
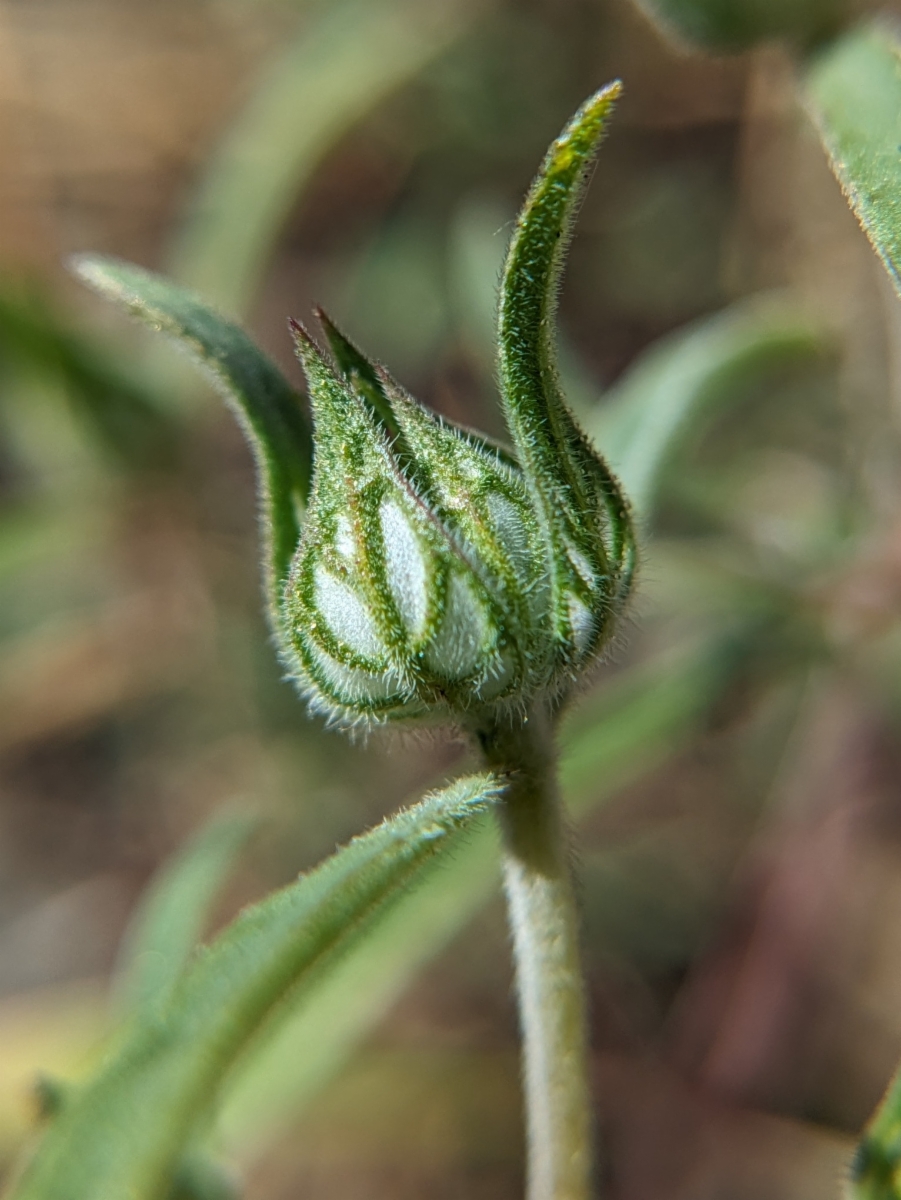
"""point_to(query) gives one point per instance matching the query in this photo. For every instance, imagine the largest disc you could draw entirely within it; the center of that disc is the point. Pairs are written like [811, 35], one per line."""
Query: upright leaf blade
[854, 95]
[124, 1133]
[679, 380]
[171, 917]
[734, 25]
[265, 403]
[124, 414]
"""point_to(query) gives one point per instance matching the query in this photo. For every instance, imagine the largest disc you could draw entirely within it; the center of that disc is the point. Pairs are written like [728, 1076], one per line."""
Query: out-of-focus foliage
[855, 94]
[735, 767]
[738, 24]
[123, 1132]
[338, 68]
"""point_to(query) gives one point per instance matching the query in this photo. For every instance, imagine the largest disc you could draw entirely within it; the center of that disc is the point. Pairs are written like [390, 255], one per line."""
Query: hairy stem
[543, 920]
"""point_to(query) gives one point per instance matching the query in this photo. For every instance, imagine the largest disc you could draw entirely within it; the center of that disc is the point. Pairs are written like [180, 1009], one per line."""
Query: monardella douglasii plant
[417, 573]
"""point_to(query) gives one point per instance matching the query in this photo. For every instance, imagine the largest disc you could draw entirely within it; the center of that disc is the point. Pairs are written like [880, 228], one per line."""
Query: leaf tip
[91, 269]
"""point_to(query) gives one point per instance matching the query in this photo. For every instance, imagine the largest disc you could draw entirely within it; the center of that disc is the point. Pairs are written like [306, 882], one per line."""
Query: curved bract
[730, 26]
[584, 518]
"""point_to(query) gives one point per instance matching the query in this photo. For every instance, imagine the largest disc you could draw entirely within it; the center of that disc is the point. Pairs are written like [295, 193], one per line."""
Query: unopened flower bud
[419, 586]
[438, 576]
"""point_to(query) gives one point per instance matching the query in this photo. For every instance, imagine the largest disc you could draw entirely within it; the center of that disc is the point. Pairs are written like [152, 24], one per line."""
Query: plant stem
[544, 923]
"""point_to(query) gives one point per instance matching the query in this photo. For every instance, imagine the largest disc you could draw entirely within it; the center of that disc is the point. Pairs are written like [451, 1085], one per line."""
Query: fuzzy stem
[544, 924]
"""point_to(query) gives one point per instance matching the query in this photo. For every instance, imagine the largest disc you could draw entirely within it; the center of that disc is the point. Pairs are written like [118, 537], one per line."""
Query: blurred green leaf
[874, 1172]
[311, 1041]
[738, 24]
[126, 417]
[201, 1178]
[124, 1132]
[854, 94]
[687, 376]
[355, 53]
[170, 920]
[631, 727]
[264, 402]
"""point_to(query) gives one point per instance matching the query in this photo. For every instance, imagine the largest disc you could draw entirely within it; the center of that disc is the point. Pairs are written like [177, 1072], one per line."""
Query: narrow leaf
[647, 416]
[854, 94]
[125, 416]
[265, 403]
[172, 914]
[739, 24]
[338, 68]
[123, 1134]
[312, 1040]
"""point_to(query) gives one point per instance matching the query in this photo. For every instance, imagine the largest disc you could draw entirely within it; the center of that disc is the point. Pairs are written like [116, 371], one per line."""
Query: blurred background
[735, 769]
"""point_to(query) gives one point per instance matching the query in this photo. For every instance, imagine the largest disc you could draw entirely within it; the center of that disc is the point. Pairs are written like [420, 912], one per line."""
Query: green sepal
[584, 516]
[269, 409]
[368, 379]
[358, 371]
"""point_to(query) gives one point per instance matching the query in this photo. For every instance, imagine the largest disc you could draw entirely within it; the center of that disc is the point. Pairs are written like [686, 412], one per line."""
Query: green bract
[437, 574]
[425, 573]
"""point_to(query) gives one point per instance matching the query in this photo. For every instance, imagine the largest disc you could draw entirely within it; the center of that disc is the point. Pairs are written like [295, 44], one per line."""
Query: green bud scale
[438, 575]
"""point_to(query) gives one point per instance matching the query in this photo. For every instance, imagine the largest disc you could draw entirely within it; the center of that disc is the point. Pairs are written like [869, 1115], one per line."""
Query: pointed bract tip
[305, 344]
[332, 332]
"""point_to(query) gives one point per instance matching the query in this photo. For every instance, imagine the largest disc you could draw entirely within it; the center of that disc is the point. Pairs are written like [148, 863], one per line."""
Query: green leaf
[312, 1040]
[124, 1133]
[124, 415]
[854, 94]
[874, 1171]
[265, 403]
[632, 726]
[726, 25]
[170, 920]
[647, 416]
[333, 74]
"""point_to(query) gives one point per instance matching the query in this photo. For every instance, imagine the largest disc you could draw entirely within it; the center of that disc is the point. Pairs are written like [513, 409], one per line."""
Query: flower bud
[439, 576]
[418, 588]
